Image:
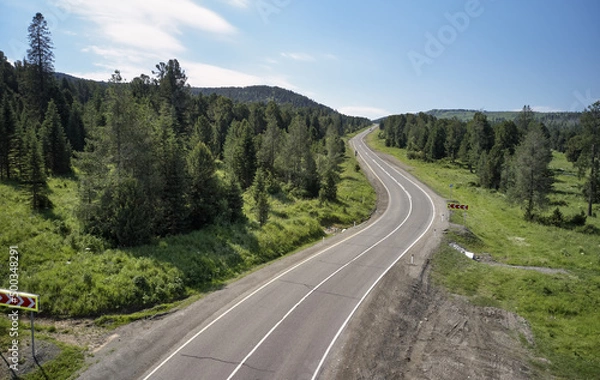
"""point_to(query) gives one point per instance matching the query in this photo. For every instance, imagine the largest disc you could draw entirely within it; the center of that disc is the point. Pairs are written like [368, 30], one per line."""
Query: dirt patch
[82, 333]
[44, 352]
[411, 330]
[487, 259]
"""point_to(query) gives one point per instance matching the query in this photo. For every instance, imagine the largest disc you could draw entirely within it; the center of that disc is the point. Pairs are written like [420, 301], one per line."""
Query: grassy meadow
[562, 309]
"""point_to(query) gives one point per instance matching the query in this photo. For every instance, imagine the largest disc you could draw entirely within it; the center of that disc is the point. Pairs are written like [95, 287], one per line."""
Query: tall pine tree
[40, 58]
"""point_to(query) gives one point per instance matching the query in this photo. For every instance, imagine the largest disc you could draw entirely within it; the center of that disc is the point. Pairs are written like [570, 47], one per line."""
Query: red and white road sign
[20, 300]
[454, 206]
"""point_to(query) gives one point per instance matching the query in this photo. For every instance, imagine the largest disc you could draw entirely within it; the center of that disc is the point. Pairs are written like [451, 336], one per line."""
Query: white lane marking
[270, 282]
[343, 326]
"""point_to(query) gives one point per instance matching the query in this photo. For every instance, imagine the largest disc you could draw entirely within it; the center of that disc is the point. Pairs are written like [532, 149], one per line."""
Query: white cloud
[303, 57]
[203, 75]
[149, 24]
[364, 111]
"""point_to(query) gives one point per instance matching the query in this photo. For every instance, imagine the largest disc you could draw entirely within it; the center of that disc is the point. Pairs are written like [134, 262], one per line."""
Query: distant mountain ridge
[498, 116]
[261, 94]
[248, 94]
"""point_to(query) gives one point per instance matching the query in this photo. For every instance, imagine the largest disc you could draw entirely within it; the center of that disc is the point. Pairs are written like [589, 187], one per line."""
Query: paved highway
[286, 327]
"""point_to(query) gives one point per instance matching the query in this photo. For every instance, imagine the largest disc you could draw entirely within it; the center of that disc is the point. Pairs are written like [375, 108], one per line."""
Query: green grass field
[76, 276]
[563, 309]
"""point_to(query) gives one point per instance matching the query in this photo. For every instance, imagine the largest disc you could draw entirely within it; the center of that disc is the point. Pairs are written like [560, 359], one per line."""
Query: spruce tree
[57, 150]
[34, 172]
[7, 131]
[40, 58]
[261, 197]
[240, 153]
[532, 178]
[203, 191]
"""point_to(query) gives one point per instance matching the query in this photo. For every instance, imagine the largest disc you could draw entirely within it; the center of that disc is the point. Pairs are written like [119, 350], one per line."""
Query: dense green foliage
[508, 156]
[76, 275]
[148, 153]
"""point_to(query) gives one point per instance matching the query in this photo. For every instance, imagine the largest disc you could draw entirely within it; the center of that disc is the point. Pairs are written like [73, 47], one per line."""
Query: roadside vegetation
[126, 198]
[77, 276]
[562, 308]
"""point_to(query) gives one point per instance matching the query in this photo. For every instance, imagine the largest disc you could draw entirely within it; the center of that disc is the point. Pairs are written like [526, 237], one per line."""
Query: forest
[508, 156]
[152, 159]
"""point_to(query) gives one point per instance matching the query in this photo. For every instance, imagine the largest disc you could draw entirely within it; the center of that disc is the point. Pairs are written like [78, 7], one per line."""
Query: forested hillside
[548, 118]
[261, 94]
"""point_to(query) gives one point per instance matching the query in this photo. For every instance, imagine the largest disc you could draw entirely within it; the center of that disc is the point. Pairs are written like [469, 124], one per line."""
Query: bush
[577, 219]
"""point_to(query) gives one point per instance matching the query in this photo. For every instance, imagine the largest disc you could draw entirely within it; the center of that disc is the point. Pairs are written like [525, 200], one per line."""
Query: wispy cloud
[303, 57]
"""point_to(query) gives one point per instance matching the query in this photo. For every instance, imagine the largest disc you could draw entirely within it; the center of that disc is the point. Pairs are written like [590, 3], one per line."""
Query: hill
[564, 118]
[261, 94]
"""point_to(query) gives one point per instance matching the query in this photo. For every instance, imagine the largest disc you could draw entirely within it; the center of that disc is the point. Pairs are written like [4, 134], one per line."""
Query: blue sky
[367, 58]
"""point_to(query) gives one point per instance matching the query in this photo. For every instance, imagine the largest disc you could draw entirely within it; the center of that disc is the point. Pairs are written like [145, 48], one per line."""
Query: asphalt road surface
[286, 327]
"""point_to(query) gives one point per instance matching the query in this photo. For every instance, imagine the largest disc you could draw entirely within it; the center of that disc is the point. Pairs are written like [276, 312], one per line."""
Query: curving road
[286, 327]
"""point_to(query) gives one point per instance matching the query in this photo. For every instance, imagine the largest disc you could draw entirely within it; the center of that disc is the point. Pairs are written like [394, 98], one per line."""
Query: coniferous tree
[524, 119]
[481, 138]
[435, 147]
[203, 190]
[270, 144]
[75, 130]
[532, 178]
[57, 150]
[34, 171]
[203, 131]
[240, 153]
[172, 80]
[7, 131]
[40, 59]
[231, 202]
[455, 132]
[18, 149]
[261, 197]
[222, 116]
[590, 152]
[171, 210]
